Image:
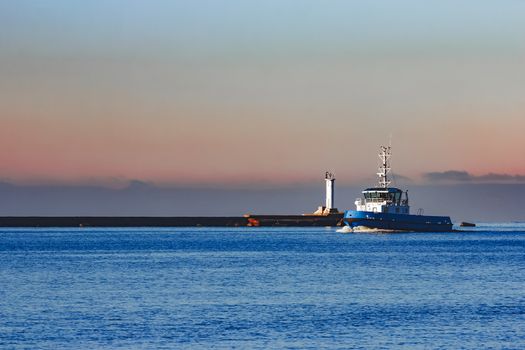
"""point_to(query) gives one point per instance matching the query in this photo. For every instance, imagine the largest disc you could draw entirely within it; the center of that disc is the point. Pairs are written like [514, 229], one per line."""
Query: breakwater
[172, 221]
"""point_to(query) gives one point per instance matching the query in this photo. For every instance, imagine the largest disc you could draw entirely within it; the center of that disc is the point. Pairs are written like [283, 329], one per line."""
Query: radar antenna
[384, 168]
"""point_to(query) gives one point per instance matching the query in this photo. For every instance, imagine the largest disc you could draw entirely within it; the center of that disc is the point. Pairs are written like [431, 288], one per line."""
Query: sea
[262, 288]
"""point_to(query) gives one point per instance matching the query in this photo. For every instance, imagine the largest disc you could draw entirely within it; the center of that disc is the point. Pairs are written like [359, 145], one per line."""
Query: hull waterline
[397, 222]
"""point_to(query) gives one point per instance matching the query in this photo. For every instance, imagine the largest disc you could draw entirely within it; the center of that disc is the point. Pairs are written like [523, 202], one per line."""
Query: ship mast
[384, 168]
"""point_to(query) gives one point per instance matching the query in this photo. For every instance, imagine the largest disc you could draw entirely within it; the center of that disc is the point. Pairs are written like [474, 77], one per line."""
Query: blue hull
[397, 222]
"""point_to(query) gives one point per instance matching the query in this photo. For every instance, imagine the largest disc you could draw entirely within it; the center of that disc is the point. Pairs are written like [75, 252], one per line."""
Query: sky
[240, 93]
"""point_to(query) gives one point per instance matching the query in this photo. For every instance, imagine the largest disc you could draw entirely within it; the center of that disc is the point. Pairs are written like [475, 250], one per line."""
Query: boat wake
[364, 229]
[345, 229]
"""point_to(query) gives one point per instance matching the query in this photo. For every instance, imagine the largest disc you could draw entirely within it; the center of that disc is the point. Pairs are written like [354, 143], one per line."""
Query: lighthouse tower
[328, 208]
[330, 179]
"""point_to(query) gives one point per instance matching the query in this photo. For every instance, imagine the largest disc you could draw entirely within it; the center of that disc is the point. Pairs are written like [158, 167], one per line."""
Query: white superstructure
[383, 199]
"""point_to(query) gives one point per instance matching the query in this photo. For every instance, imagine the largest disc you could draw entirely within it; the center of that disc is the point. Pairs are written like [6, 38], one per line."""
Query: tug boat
[386, 209]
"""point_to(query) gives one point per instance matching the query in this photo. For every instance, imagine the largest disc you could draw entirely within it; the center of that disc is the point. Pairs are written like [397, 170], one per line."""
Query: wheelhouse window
[377, 195]
[398, 196]
[392, 196]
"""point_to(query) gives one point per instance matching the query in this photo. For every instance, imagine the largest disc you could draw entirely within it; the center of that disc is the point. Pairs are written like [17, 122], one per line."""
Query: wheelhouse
[384, 200]
[389, 195]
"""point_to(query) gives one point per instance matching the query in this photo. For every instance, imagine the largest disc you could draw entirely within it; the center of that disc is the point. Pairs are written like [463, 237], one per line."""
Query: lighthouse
[329, 179]
[328, 208]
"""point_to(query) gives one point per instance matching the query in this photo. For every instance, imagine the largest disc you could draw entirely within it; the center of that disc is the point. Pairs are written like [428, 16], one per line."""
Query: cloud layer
[461, 176]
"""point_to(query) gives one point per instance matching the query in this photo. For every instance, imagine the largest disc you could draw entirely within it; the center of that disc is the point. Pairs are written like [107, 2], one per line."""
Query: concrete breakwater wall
[175, 221]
